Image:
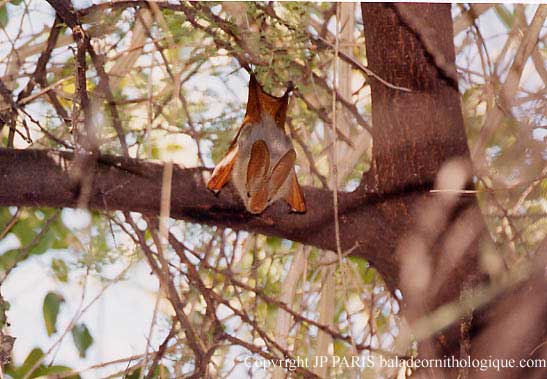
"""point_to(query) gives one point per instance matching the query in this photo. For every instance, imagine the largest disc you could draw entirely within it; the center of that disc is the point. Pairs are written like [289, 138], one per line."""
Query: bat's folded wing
[222, 171]
[295, 197]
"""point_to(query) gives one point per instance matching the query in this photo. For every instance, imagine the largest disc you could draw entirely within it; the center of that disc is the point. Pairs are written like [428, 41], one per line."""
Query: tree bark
[416, 136]
[415, 132]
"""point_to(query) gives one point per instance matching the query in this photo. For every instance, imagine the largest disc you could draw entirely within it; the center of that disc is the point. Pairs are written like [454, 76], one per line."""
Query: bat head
[261, 105]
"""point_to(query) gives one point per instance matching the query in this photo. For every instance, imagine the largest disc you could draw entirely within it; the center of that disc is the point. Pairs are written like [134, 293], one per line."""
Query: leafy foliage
[32, 368]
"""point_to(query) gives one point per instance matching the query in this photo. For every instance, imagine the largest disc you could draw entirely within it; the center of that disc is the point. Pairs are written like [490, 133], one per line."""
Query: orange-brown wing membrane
[259, 200]
[222, 171]
[281, 171]
[295, 197]
[259, 164]
[253, 111]
[281, 113]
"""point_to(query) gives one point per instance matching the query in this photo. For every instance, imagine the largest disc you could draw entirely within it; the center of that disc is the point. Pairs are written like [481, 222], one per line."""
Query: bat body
[278, 145]
[260, 160]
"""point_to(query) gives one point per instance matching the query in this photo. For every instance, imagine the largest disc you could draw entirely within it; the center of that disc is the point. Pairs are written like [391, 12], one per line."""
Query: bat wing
[295, 197]
[281, 171]
[257, 169]
[259, 164]
[222, 171]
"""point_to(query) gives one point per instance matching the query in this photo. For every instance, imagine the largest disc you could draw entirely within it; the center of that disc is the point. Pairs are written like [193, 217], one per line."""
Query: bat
[260, 160]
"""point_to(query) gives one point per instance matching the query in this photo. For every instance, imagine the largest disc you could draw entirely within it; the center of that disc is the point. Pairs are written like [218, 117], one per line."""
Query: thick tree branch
[40, 178]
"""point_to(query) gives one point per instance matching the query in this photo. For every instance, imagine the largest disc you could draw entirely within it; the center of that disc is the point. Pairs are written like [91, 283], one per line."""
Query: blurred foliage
[511, 193]
[31, 368]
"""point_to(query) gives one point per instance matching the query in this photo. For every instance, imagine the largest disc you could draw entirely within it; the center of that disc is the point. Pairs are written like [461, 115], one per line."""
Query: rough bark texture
[415, 133]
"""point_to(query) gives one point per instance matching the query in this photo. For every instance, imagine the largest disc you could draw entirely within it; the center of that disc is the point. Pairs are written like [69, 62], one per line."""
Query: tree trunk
[419, 141]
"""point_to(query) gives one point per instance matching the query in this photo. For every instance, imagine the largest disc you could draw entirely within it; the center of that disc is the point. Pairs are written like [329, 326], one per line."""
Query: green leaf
[60, 269]
[52, 303]
[367, 273]
[3, 16]
[274, 243]
[161, 372]
[30, 224]
[15, 2]
[5, 217]
[8, 259]
[381, 322]
[53, 371]
[543, 189]
[82, 338]
[41, 371]
[34, 356]
[340, 348]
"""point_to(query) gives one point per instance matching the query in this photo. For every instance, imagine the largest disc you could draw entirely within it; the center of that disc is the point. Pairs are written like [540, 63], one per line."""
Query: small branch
[10, 224]
[161, 350]
[66, 12]
[510, 87]
[39, 74]
[6, 341]
[104, 85]
[162, 273]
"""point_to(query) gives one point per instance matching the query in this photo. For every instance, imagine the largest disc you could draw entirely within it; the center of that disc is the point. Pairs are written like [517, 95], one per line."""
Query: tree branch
[40, 178]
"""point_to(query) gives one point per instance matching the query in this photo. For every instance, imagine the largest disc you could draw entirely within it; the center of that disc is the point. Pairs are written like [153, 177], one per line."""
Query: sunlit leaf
[54, 372]
[160, 372]
[274, 243]
[52, 303]
[135, 374]
[30, 361]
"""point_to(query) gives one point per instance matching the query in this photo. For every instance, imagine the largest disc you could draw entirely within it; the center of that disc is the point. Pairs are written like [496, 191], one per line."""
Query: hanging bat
[260, 159]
